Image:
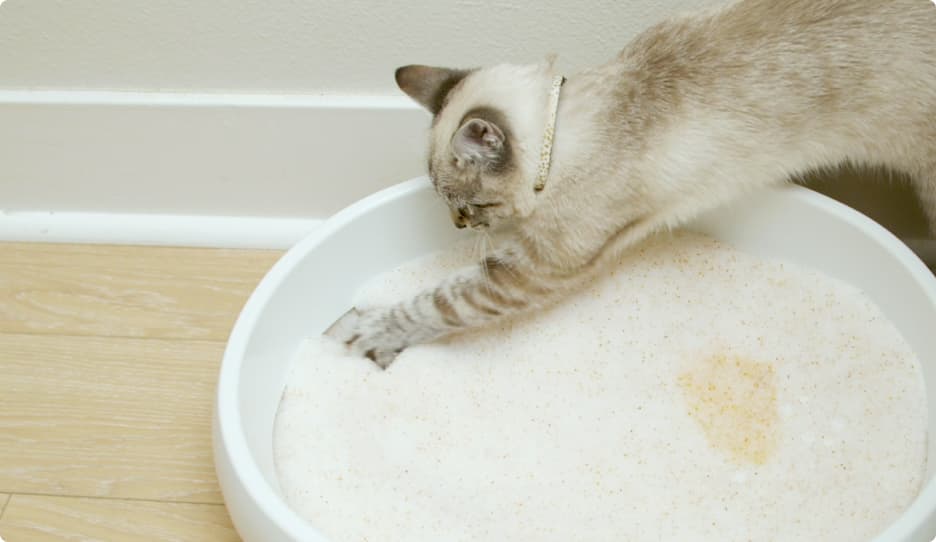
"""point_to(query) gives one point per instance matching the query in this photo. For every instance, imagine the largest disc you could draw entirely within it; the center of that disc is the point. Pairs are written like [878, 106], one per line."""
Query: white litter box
[311, 285]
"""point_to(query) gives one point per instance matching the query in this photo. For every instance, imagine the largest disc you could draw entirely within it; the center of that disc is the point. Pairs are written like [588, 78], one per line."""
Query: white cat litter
[695, 393]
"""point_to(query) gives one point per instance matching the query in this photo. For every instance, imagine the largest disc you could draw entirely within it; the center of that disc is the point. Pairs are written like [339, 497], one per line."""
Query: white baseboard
[226, 170]
[163, 230]
[87, 165]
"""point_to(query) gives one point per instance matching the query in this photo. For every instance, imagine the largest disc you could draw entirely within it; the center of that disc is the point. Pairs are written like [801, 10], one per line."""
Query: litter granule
[694, 393]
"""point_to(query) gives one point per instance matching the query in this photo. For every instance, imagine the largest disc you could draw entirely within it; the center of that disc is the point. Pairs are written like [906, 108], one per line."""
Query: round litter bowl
[314, 282]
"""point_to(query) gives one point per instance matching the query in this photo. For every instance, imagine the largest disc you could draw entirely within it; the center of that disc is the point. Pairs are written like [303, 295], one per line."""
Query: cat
[692, 113]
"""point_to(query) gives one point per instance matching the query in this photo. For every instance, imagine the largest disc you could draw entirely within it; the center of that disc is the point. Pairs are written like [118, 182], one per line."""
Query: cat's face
[476, 158]
[472, 170]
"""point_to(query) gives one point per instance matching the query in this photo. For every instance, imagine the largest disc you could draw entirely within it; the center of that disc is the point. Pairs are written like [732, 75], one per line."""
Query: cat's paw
[370, 333]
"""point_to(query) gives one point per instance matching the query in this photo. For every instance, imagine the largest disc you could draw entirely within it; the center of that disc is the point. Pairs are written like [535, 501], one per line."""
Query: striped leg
[500, 286]
[515, 279]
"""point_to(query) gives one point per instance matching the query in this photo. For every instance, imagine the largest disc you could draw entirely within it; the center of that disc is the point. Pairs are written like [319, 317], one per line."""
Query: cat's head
[485, 138]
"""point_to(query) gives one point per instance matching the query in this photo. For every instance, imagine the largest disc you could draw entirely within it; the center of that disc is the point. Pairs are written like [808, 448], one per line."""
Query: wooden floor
[108, 362]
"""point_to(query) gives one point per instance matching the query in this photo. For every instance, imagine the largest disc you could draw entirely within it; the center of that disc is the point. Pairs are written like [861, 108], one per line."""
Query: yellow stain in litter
[734, 400]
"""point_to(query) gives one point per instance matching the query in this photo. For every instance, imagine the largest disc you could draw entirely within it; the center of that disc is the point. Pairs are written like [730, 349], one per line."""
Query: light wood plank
[3, 502]
[109, 417]
[119, 291]
[52, 519]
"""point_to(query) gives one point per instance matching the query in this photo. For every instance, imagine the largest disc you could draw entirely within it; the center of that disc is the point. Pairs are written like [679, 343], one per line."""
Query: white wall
[297, 46]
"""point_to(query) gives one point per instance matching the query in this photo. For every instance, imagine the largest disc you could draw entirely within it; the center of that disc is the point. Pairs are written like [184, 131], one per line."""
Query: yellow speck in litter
[734, 400]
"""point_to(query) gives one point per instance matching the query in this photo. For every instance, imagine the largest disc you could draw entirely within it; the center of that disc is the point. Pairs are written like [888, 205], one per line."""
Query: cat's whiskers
[480, 252]
[483, 239]
[476, 253]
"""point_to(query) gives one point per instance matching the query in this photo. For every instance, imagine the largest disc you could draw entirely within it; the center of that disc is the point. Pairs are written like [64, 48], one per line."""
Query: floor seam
[103, 498]
[133, 337]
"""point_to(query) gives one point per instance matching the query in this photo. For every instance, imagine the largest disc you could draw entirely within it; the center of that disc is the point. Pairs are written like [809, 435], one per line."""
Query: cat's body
[691, 114]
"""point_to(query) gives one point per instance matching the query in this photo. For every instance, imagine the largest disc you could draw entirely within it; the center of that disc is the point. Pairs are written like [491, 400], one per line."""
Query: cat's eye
[485, 205]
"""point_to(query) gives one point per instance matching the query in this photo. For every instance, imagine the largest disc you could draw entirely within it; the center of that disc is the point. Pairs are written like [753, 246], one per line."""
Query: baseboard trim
[161, 230]
[200, 154]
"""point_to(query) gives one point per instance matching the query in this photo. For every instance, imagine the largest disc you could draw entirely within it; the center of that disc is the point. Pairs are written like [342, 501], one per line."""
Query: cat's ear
[428, 85]
[479, 141]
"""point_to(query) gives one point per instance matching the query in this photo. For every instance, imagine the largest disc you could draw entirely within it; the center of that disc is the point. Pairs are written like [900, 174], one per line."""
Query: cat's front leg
[378, 333]
[498, 287]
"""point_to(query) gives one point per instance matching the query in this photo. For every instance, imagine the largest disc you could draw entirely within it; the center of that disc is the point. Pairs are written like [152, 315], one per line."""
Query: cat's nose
[460, 217]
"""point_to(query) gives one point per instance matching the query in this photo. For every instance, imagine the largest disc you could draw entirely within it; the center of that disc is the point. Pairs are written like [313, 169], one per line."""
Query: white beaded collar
[548, 134]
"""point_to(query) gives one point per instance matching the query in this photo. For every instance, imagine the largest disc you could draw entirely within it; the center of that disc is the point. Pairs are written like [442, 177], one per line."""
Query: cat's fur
[692, 113]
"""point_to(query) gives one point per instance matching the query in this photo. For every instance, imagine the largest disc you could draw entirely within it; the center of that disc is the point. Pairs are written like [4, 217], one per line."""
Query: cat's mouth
[462, 223]
[469, 217]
